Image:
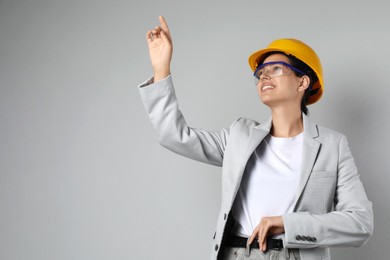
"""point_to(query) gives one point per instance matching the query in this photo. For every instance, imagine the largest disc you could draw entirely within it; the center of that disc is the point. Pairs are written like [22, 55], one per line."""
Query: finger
[250, 240]
[158, 29]
[154, 34]
[263, 234]
[164, 26]
[264, 245]
[252, 237]
[263, 237]
[149, 36]
[155, 31]
[259, 240]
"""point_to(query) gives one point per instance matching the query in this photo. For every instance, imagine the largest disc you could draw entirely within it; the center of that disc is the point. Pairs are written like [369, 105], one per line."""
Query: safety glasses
[274, 69]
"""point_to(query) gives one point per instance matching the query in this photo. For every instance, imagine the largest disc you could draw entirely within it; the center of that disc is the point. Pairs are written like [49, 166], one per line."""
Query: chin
[266, 100]
[271, 102]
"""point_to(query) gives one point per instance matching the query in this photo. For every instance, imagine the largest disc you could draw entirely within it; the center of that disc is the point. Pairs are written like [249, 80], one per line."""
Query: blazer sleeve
[171, 128]
[351, 222]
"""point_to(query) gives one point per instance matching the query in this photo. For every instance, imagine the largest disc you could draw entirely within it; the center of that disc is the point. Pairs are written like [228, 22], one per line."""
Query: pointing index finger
[164, 24]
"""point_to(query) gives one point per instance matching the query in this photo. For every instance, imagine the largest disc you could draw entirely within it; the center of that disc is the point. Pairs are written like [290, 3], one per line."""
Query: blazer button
[304, 238]
[298, 237]
[214, 234]
[314, 239]
[216, 247]
[224, 216]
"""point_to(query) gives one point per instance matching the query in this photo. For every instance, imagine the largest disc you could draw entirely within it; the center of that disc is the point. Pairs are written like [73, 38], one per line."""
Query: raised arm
[159, 99]
[160, 49]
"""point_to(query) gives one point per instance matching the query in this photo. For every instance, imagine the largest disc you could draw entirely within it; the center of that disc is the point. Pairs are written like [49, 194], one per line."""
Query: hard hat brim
[258, 57]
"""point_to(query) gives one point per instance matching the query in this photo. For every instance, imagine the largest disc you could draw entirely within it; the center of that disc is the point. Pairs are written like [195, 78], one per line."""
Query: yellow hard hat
[299, 50]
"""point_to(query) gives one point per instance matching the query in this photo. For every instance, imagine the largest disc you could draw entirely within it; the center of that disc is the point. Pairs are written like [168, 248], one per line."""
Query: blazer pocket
[319, 192]
[323, 174]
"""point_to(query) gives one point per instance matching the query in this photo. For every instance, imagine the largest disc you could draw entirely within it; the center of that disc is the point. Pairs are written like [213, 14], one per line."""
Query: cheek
[263, 96]
[289, 86]
[258, 89]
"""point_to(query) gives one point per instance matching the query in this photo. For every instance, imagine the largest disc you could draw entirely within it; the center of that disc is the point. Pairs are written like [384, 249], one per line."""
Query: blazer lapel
[309, 155]
[257, 134]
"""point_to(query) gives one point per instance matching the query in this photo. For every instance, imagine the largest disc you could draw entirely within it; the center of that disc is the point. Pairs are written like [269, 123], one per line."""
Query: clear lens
[272, 70]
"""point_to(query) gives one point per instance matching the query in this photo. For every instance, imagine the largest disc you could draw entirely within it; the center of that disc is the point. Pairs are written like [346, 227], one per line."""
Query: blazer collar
[266, 126]
[310, 128]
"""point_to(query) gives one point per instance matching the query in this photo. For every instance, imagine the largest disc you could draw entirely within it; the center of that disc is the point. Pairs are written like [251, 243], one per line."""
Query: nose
[264, 76]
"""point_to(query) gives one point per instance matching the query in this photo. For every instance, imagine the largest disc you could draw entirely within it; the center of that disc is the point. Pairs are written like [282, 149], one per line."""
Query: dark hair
[297, 63]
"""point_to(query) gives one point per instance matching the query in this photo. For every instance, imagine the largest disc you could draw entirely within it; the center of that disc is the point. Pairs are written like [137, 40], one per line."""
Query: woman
[290, 187]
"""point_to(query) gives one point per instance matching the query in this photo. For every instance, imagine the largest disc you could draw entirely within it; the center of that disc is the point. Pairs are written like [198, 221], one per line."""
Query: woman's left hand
[268, 226]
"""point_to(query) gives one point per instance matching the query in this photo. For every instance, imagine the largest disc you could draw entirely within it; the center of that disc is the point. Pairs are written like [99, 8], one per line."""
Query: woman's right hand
[160, 49]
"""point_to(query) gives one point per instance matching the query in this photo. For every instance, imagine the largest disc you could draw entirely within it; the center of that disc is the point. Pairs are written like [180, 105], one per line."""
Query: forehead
[277, 57]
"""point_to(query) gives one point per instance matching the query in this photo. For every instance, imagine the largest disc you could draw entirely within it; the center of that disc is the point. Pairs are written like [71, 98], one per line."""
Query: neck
[286, 122]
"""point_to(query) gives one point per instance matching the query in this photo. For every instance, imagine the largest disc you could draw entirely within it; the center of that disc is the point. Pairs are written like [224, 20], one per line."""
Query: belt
[235, 241]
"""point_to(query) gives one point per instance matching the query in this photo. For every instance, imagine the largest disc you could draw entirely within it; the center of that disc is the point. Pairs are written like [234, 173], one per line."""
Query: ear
[304, 83]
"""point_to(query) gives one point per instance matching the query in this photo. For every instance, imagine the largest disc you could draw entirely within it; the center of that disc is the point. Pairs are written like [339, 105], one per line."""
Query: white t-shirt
[269, 183]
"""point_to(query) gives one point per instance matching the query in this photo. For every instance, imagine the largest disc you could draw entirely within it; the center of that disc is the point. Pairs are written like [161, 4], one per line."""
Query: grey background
[81, 173]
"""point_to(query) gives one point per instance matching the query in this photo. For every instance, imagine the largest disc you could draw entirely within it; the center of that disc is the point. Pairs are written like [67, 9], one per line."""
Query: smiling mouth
[267, 87]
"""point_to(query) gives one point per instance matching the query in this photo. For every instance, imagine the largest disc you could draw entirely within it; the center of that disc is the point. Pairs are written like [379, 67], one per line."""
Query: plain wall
[81, 173]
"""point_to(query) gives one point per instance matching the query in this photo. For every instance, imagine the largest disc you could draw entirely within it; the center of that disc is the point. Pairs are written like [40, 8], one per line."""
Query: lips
[266, 86]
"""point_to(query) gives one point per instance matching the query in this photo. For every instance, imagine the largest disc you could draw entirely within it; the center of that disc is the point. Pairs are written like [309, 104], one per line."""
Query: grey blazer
[331, 206]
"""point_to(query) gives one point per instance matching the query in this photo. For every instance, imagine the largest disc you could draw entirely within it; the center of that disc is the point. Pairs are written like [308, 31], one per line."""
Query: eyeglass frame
[277, 62]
